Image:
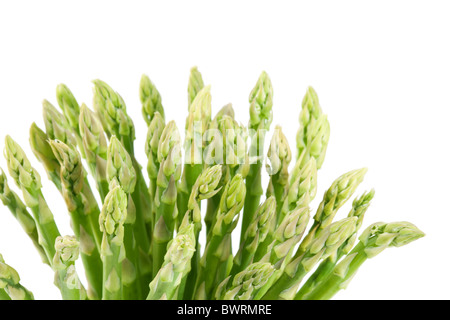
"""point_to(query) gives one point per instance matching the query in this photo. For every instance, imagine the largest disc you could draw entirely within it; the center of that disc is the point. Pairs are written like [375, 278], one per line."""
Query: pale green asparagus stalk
[29, 181]
[69, 106]
[334, 198]
[150, 99]
[205, 187]
[196, 124]
[66, 277]
[176, 266]
[262, 226]
[325, 244]
[279, 156]
[165, 201]
[216, 262]
[10, 284]
[112, 219]
[154, 132]
[43, 152]
[373, 240]
[286, 236]
[314, 131]
[120, 170]
[359, 208]
[226, 144]
[261, 101]
[56, 125]
[20, 212]
[248, 284]
[195, 85]
[84, 213]
[95, 144]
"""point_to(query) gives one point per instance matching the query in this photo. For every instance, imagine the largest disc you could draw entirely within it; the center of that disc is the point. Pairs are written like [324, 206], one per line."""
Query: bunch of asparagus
[142, 240]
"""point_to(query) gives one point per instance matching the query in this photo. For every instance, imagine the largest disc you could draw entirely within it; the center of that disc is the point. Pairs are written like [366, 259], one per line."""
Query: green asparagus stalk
[69, 107]
[326, 243]
[67, 252]
[226, 145]
[10, 284]
[56, 125]
[176, 266]
[84, 213]
[196, 125]
[94, 143]
[155, 130]
[373, 241]
[43, 152]
[216, 262]
[334, 198]
[262, 226]
[195, 85]
[29, 181]
[260, 119]
[169, 156]
[314, 131]
[205, 187]
[359, 208]
[112, 219]
[20, 212]
[150, 99]
[249, 284]
[120, 170]
[279, 155]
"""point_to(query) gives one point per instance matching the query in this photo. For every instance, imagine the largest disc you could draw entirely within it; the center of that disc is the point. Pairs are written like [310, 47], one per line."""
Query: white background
[381, 69]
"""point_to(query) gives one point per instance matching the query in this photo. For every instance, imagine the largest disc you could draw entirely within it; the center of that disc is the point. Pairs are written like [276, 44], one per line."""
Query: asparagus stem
[359, 208]
[20, 212]
[215, 264]
[176, 266]
[314, 131]
[261, 227]
[373, 240]
[84, 212]
[112, 219]
[169, 156]
[29, 181]
[66, 279]
[10, 287]
[150, 99]
[260, 119]
[195, 85]
[325, 244]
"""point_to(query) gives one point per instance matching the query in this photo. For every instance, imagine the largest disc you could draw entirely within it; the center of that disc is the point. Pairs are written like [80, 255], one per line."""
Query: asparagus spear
[69, 106]
[195, 85]
[260, 119]
[150, 99]
[205, 187]
[95, 145]
[120, 170]
[279, 155]
[176, 266]
[326, 243]
[20, 212]
[169, 156]
[67, 252]
[56, 126]
[373, 240]
[84, 213]
[226, 145]
[216, 262]
[314, 131]
[44, 153]
[359, 208]
[262, 226]
[29, 181]
[248, 284]
[10, 284]
[112, 219]
[196, 125]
